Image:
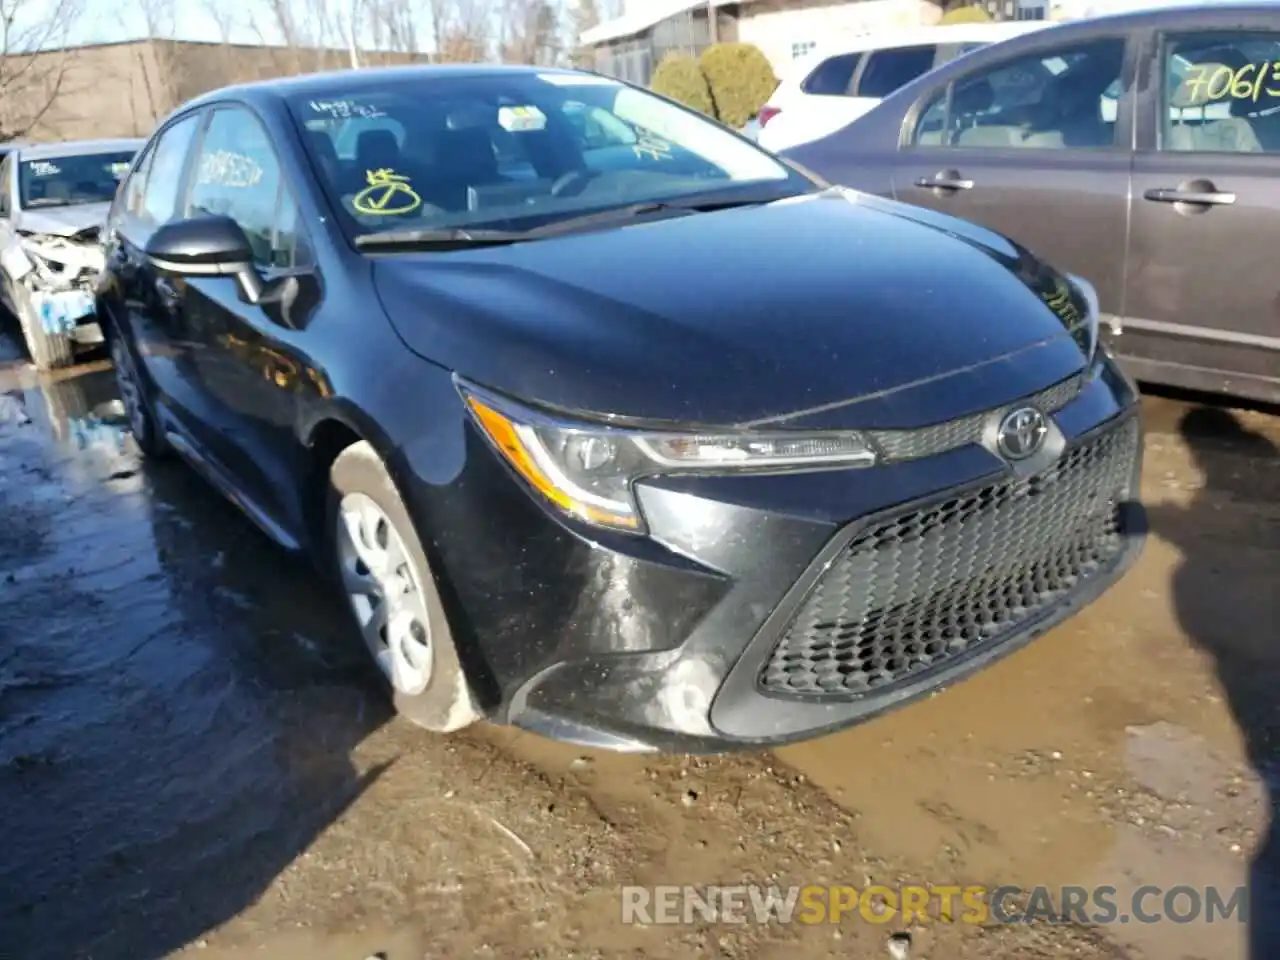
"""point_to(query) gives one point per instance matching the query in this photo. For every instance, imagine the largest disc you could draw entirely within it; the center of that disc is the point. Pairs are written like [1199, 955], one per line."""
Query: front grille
[930, 441]
[928, 586]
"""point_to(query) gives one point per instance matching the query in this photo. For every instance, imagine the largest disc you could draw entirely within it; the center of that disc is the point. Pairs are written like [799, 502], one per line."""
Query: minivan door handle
[1199, 198]
[945, 180]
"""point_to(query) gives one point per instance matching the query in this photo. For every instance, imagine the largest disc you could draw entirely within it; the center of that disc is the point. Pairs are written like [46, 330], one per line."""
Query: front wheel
[385, 575]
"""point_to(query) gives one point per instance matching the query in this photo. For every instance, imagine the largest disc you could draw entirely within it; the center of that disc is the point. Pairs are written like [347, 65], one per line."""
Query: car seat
[464, 159]
[968, 101]
[326, 155]
[377, 150]
[1232, 134]
[1263, 116]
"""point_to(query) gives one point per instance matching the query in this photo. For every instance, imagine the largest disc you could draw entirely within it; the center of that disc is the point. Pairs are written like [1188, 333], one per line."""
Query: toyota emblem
[1021, 433]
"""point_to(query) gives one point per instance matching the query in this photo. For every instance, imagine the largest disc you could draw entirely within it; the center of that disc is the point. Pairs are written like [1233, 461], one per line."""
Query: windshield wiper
[644, 208]
[460, 237]
[453, 237]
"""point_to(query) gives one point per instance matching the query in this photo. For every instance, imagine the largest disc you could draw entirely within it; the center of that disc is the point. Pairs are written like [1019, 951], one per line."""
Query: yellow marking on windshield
[388, 194]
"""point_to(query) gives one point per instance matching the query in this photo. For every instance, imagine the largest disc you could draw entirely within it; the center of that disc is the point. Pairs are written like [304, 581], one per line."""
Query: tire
[142, 419]
[49, 351]
[428, 683]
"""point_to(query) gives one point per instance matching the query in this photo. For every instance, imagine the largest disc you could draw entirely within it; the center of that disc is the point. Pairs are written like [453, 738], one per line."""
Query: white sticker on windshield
[119, 169]
[576, 80]
[345, 109]
[521, 119]
[43, 168]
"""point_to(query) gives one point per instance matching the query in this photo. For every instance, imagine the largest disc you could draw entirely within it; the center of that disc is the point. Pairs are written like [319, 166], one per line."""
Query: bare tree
[461, 30]
[396, 25]
[34, 60]
[157, 61]
[582, 16]
[225, 20]
[530, 32]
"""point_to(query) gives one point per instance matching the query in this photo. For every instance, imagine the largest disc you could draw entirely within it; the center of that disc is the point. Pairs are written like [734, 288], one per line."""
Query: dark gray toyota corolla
[606, 422]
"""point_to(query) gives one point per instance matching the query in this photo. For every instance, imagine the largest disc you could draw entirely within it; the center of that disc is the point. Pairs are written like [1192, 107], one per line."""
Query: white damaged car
[54, 200]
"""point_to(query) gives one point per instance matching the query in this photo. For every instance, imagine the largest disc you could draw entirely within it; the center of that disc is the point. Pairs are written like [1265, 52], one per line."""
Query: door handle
[945, 180]
[1207, 198]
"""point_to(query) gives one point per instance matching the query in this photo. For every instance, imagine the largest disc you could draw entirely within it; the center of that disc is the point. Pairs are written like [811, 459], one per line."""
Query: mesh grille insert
[920, 589]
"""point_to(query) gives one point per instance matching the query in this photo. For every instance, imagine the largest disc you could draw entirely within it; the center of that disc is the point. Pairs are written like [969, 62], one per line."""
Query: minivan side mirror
[206, 246]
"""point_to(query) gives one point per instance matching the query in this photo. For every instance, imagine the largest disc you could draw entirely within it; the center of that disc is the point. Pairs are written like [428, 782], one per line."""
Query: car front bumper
[767, 609]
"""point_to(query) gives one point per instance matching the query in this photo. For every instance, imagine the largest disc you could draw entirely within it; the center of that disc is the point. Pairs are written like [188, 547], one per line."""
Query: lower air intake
[927, 587]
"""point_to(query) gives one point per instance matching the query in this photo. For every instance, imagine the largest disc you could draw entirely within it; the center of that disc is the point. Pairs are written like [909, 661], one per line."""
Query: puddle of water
[160, 702]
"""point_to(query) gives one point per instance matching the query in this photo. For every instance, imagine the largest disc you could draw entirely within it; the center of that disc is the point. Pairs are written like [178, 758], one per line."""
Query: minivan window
[833, 77]
[510, 151]
[887, 70]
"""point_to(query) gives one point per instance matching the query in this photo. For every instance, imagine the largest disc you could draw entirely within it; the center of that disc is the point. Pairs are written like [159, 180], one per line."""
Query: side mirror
[204, 247]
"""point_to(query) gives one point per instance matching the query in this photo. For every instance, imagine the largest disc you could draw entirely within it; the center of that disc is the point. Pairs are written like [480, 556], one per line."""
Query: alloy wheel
[383, 589]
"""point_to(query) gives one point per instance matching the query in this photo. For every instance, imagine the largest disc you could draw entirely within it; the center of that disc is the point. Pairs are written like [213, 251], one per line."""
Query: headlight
[588, 469]
[1086, 331]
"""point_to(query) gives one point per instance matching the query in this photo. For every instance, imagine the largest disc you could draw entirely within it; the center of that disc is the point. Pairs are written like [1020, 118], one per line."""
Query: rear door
[1036, 145]
[1203, 301]
[146, 302]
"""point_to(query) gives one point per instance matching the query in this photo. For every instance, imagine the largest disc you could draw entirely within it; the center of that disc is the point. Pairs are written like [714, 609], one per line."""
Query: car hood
[744, 315]
[64, 221]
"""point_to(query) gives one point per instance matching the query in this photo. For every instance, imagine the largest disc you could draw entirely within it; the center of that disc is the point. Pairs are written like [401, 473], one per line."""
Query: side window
[833, 77]
[289, 246]
[238, 176]
[887, 70]
[1066, 99]
[129, 200]
[162, 181]
[1221, 93]
[129, 197]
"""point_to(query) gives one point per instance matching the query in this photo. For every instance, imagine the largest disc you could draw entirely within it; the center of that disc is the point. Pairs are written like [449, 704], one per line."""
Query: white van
[831, 87]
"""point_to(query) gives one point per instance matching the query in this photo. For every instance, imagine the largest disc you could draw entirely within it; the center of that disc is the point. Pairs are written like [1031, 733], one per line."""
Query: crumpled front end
[53, 278]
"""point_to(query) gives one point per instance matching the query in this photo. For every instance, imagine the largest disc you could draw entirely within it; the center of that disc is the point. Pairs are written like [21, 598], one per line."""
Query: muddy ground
[195, 757]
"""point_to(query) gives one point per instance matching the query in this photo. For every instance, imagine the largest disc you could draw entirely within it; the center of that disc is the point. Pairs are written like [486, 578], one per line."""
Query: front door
[1034, 147]
[1203, 300]
[249, 359]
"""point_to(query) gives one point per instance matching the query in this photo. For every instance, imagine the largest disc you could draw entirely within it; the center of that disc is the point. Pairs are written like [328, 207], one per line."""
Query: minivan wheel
[141, 423]
[392, 593]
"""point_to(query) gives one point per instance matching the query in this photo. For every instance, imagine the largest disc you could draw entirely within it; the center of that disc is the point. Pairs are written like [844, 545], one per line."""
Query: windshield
[518, 151]
[68, 181]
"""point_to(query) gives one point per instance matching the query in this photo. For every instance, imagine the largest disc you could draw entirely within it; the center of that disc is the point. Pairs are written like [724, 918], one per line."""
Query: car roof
[353, 82]
[919, 36]
[75, 148]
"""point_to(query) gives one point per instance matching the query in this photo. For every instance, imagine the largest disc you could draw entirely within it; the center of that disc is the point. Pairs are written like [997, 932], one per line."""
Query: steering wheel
[565, 183]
